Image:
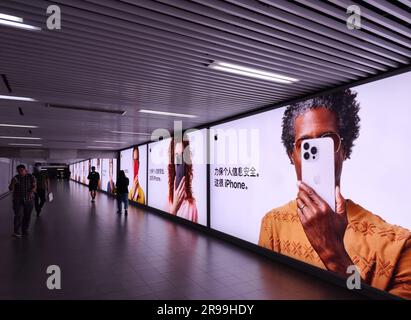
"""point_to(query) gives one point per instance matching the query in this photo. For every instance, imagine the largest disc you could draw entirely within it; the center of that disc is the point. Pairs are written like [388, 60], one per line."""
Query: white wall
[8, 171]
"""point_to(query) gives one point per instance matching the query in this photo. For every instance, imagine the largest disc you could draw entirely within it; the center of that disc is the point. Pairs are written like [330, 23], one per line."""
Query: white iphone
[317, 167]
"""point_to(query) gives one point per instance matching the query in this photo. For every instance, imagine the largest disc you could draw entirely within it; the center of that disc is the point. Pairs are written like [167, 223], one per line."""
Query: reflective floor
[144, 256]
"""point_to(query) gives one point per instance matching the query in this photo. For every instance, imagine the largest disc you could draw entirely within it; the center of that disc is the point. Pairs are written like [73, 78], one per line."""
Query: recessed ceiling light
[22, 138]
[16, 22]
[17, 126]
[26, 144]
[172, 114]
[135, 133]
[251, 72]
[103, 141]
[10, 18]
[16, 98]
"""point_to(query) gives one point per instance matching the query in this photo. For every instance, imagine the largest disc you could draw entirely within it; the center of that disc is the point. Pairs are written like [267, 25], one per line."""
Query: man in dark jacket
[93, 178]
[42, 181]
[23, 186]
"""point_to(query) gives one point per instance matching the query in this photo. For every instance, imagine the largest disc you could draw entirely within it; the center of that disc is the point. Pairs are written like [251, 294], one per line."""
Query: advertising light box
[134, 163]
[272, 174]
[177, 175]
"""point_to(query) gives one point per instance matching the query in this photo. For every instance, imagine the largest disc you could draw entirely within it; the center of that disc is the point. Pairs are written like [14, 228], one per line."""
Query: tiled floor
[106, 256]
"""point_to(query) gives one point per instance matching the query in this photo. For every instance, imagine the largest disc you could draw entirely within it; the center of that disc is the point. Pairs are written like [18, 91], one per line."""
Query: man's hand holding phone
[324, 228]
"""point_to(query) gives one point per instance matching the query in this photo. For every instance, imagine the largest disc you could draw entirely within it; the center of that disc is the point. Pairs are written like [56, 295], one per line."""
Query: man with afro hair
[307, 228]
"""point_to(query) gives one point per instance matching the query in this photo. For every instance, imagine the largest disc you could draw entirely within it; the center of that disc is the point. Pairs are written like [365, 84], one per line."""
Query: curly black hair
[342, 103]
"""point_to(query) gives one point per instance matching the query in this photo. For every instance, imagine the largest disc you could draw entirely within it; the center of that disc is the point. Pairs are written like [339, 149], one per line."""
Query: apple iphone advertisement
[77, 171]
[88, 170]
[74, 172]
[109, 175]
[84, 172]
[133, 162]
[324, 181]
[177, 176]
[107, 168]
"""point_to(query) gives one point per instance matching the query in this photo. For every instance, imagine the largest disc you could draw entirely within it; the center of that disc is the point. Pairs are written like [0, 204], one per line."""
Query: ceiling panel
[145, 54]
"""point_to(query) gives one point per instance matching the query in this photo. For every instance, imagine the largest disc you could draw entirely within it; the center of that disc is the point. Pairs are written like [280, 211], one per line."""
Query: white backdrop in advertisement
[377, 175]
[250, 174]
[157, 174]
[86, 170]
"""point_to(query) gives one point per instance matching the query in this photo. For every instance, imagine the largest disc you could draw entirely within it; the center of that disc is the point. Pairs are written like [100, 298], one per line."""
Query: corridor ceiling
[128, 55]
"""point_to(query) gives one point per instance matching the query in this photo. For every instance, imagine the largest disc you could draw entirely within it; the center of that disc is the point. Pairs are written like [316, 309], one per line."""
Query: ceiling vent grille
[87, 109]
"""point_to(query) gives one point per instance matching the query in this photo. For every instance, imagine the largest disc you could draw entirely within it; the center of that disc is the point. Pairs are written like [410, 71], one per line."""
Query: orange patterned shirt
[381, 251]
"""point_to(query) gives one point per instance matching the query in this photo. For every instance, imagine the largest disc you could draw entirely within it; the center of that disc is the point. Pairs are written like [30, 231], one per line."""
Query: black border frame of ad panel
[100, 190]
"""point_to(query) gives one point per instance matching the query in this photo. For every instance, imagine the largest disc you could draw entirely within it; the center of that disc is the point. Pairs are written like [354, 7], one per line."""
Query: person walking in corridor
[93, 178]
[122, 192]
[42, 182]
[23, 186]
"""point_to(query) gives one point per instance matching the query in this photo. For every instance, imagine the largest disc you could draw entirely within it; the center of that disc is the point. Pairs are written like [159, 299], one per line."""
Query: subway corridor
[145, 256]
